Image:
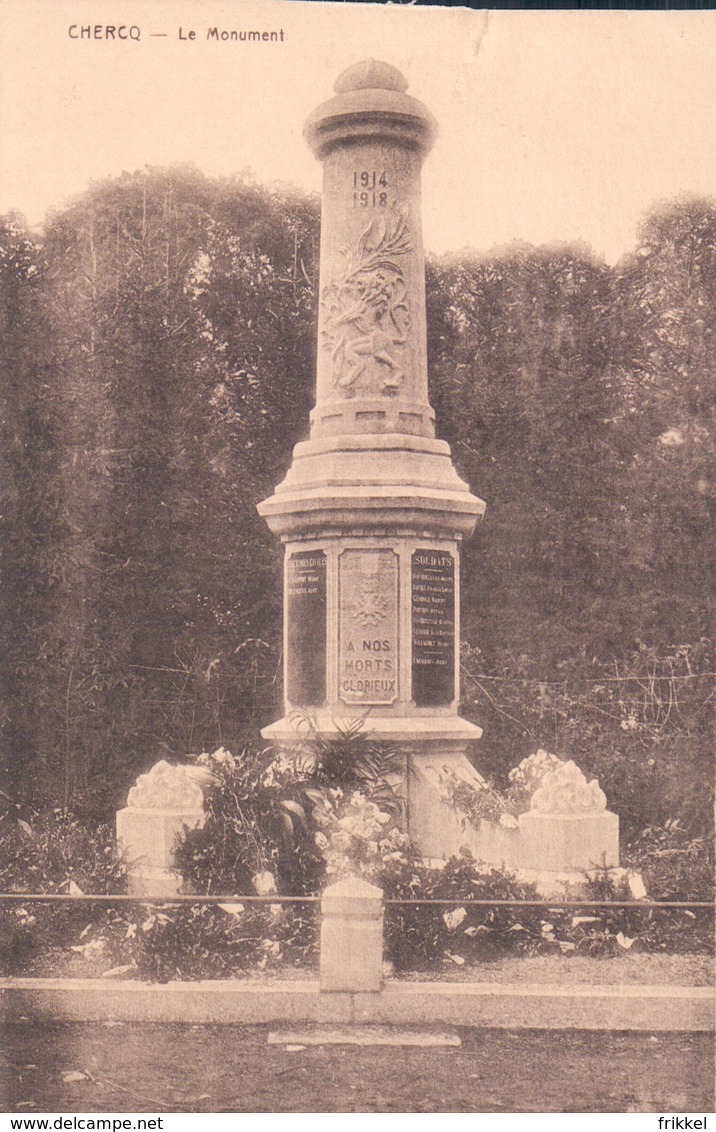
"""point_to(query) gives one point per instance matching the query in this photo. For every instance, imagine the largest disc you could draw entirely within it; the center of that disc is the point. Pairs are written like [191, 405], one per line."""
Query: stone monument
[372, 511]
[161, 804]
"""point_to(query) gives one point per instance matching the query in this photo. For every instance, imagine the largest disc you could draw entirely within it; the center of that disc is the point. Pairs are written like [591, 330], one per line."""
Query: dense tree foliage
[175, 344]
[158, 350]
[665, 372]
[520, 364]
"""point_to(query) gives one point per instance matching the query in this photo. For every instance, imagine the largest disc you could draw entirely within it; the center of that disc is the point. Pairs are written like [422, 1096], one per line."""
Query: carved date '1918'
[369, 189]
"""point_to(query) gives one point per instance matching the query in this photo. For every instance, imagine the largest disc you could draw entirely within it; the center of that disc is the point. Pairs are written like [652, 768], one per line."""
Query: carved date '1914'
[365, 310]
[369, 189]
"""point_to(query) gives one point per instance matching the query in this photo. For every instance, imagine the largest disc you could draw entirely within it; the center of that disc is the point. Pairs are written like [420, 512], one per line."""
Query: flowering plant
[479, 800]
[357, 838]
[288, 767]
[220, 758]
[528, 777]
[256, 833]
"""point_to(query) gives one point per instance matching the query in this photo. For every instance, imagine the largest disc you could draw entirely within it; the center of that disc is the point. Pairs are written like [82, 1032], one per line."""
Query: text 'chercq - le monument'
[372, 511]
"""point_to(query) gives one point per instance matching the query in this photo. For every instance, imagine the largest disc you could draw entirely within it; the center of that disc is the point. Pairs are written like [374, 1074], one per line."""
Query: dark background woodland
[158, 357]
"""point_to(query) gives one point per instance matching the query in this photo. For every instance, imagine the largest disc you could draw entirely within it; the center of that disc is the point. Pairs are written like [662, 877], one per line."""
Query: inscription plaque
[368, 627]
[433, 620]
[306, 628]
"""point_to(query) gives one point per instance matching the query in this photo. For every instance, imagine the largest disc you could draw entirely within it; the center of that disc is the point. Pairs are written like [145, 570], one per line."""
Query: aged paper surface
[554, 126]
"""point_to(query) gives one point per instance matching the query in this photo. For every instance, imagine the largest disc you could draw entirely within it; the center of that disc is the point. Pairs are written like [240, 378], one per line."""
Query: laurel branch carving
[366, 312]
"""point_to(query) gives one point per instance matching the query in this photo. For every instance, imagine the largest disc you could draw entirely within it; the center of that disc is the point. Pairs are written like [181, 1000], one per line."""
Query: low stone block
[351, 955]
[564, 843]
[352, 937]
[148, 837]
[160, 805]
[363, 1035]
[352, 899]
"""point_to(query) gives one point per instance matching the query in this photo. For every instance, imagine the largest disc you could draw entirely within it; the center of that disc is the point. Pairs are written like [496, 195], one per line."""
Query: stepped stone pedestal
[372, 511]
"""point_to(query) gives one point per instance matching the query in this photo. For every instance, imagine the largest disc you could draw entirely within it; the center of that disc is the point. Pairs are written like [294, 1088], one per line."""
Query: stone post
[159, 806]
[372, 511]
[352, 937]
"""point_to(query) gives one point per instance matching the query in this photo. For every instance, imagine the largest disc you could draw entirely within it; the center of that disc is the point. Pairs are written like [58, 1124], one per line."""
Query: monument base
[556, 849]
[445, 732]
[438, 828]
[427, 745]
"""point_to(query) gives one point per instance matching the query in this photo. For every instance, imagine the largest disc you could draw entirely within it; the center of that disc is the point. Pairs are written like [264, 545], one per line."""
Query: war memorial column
[372, 511]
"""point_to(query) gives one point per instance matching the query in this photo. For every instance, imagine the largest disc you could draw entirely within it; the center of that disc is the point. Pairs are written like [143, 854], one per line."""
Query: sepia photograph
[358, 477]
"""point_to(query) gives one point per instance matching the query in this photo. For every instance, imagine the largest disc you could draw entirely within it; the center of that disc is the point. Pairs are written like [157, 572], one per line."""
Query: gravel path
[630, 968]
[647, 970]
[163, 1069]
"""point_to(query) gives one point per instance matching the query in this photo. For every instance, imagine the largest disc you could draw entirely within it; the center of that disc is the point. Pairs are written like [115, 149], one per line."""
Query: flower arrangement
[288, 767]
[357, 838]
[256, 826]
[220, 758]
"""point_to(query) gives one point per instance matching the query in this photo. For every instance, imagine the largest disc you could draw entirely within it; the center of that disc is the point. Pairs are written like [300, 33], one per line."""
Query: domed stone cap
[370, 74]
[370, 103]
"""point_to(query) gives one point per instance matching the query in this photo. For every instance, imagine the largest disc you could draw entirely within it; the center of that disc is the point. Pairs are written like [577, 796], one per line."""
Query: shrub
[256, 824]
[421, 936]
[418, 936]
[46, 855]
[675, 866]
[480, 803]
[351, 760]
[211, 941]
[265, 808]
[48, 852]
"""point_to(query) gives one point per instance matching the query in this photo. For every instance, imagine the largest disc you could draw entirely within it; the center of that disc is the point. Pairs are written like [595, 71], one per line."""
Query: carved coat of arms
[370, 606]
